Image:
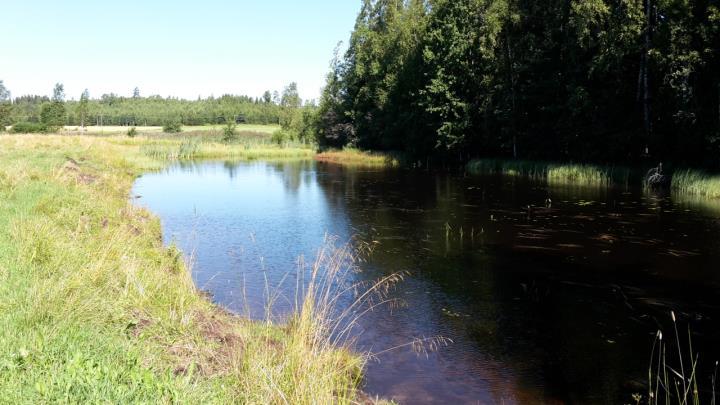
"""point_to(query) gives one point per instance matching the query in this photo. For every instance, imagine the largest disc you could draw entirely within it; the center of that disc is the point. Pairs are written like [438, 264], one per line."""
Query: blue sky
[177, 48]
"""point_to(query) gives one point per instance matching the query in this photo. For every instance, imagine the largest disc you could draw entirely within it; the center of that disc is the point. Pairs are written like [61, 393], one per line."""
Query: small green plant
[172, 127]
[280, 136]
[30, 128]
[132, 132]
[229, 133]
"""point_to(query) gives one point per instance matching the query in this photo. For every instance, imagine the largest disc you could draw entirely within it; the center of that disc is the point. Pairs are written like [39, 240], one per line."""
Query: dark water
[551, 295]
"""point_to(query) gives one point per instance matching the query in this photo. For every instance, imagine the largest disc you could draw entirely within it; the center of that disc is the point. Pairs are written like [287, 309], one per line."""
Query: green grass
[93, 308]
[553, 173]
[696, 183]
[197, 148]
[356, 157]
[157, 130]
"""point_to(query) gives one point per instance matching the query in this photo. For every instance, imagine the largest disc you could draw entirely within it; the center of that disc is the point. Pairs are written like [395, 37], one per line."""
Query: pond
[549, 294]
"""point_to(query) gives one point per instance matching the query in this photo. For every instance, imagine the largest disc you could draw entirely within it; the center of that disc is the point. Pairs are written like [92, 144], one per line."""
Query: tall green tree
[53, 113]
[4, 93]
[5, 107]
[631, 81]
[82, 107]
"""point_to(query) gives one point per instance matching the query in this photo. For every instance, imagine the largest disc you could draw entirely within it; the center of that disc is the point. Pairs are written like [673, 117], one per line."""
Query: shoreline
[96, 308]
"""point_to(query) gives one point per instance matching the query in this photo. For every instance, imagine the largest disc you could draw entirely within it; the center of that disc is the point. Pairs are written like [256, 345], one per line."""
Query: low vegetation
[29, 128]
[195, 148]
[356, 157]
[695, 182]
[172, 127]
[554, 173]
[93, 308]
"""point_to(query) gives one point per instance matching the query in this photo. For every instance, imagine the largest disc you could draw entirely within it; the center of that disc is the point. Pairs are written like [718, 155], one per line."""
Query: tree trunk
[647, 122]
[511, 82]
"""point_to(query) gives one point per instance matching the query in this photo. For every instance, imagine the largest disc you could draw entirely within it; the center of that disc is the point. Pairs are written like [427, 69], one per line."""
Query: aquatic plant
[355, 157]
[553, 173]
[198, 148]
[575, 174]
[695, 182]
[672, 374]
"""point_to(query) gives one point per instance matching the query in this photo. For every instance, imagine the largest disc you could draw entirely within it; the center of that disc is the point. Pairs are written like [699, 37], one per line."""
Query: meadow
[158, 130]
[94, 308]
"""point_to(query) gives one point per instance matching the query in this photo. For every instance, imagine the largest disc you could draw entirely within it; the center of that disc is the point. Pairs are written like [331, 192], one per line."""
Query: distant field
[117, 129]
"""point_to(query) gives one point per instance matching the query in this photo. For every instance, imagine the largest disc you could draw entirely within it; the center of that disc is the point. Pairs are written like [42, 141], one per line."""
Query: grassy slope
[94, 308]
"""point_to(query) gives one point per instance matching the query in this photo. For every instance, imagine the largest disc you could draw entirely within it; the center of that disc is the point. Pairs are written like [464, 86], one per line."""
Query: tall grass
[93, 308]
[356, 157]
[193, 148]
[329, 302]
[695, 182]
[672, 374]
[553, 173]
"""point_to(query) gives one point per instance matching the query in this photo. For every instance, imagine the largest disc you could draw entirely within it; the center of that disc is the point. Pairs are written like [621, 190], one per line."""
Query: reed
[672, 374]
[553, 173]
[356, 157]
[193, 148]
[695, 182]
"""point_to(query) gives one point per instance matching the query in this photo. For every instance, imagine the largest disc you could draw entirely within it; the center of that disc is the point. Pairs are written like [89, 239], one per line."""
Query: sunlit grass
[192, 148]
[356, 157]
[553, 173]
[94, 309]
[695, 182]
[156, 130]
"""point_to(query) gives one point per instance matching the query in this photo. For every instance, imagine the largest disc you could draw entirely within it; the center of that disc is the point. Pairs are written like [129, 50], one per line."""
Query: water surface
[550, 294]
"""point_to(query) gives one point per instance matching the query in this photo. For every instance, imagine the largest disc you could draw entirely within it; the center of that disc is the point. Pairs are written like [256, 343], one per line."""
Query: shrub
[132, 132]
[172, 127]
[53, 114]
[229, 133]
[281, 136]
[30, 128]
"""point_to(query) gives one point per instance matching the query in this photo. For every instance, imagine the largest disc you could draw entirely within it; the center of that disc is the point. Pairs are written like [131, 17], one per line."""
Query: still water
[549, 294]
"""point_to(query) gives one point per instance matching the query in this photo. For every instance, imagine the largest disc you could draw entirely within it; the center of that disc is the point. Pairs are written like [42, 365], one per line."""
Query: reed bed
[190, 148]
[553, 173]
[695, 182]
[356, 157]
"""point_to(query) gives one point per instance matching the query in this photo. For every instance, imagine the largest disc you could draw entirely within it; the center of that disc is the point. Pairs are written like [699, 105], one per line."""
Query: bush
[30, 128]
[172, 127]
[132, 132]
[281, 136]
[53, 114]
[229, 133]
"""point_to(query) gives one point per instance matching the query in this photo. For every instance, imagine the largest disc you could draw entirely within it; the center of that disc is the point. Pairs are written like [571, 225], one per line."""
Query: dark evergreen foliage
[629, 81]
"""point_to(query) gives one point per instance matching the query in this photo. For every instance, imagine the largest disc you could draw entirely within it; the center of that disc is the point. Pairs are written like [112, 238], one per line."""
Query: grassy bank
[93, 308]
[355, 157]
